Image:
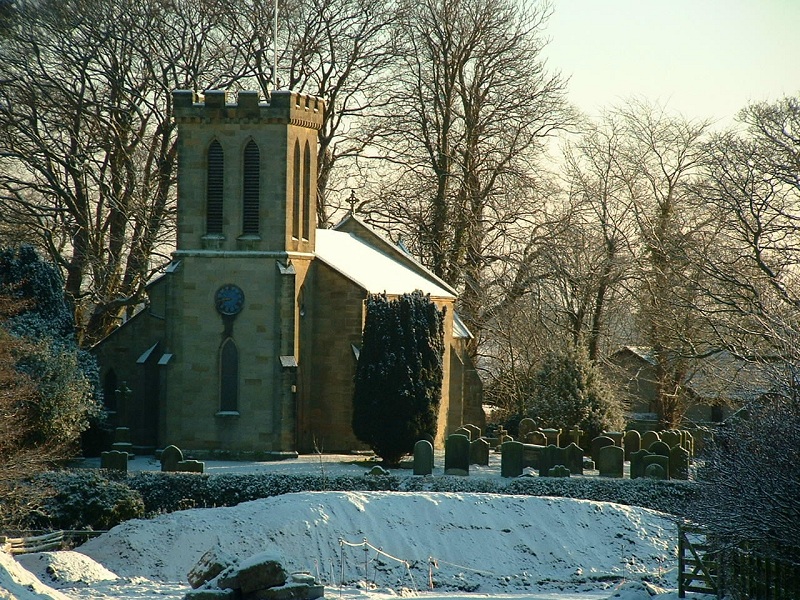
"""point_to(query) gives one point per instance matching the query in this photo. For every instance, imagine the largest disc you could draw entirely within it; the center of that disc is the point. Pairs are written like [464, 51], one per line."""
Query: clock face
[229, 299]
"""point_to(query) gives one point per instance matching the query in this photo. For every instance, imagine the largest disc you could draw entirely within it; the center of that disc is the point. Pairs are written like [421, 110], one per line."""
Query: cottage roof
[375, 269]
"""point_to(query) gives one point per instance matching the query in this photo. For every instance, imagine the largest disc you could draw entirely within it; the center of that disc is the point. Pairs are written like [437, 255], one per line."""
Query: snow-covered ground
[438, 545]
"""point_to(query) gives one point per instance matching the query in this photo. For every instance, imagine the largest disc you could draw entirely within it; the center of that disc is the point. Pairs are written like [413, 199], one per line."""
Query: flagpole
[275, 49]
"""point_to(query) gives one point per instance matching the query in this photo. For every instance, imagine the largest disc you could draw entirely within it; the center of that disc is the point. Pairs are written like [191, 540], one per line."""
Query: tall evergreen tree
[570, 391]
[398, 382]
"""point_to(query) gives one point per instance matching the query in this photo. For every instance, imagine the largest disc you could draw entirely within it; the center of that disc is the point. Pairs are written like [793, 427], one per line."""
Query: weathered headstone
[476, 431]
[616, 436]
[423, 458]
[558, 471]
[122, 440]
[537, 437]
[637, 463]
[575, 435]
[191, 466]
[632, 442]
[610, 460]
[479, 452]
[656, 459]
[511, 459]
[502, 435]
[688, 443]
[571, 457]
[170, 457]
[648, 437]
[678, 463]
[659, 447]
[114, 460]
[552, 435]
[599, 442]
[671, 437]
[456, 455]
[463, 431]
[531, 454]
[526, 425]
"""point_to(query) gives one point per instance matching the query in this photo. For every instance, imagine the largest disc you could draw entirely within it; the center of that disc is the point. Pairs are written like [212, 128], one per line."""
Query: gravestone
[423, 458]
[552, 435]
[476, 431]
[656, 459]
[463, 431]
[616, 436]
[599, 442]
[122, 440]
[531, 454]
[502, 435]
[558, 471]
[526, 425]
[479, 452]
[637, 463]
[648, 437]
[575, 435]
[456, 455]
[191, 466]
[511, 459]
[632, 442]
[114, 460]
[660, 447]
[671, 437]
[678, 463]
[610, 460]
[571, 457]
[537, 437]
[688, 443]
[170, 457]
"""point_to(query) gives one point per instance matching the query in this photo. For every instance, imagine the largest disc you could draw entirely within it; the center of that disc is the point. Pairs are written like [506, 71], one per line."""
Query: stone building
[249, 340]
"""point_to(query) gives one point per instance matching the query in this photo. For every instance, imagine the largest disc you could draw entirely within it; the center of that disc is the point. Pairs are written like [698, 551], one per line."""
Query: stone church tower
[248, 343]
[246, 237]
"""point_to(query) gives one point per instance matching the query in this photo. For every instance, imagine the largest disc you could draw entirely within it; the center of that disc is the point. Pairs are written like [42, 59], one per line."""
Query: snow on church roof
[375, 271]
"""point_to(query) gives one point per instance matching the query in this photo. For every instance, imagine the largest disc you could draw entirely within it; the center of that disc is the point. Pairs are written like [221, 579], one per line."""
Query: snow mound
[65, 568]
[468, 542]
[18, 584]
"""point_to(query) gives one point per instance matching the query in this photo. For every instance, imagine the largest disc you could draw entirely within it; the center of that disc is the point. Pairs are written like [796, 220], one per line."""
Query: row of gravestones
[661, 458]
[631, 441]
[171, 461]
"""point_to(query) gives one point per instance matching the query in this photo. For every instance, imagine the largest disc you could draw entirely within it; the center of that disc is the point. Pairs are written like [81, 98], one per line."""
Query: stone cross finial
[352, 202]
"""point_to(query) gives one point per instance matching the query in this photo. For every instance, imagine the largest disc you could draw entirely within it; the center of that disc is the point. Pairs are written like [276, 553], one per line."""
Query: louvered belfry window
[296, 193]
[251, 191]
[306, 192]
[214, 180]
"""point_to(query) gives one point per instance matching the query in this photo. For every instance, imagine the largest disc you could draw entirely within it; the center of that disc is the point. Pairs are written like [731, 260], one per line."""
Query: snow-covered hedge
[100, 501]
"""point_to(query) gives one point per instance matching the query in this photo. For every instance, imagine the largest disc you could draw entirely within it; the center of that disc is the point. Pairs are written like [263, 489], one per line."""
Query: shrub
[398, 381]
[88, 500]
[569, 391]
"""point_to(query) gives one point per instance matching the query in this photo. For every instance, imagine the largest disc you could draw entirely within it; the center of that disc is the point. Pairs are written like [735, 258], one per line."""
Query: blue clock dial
[229, 299]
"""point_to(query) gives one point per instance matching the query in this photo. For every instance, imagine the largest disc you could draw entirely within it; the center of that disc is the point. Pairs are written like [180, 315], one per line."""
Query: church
[248, 342]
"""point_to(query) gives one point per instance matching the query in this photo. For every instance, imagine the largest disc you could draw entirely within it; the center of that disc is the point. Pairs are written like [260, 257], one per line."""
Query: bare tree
[660, 163]
[472, 105]
[753, 181]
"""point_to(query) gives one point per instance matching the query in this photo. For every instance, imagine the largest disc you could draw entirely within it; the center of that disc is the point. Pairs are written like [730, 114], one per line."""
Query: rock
[291, 591]
[260, 572]
[210, 594]
[211, 564]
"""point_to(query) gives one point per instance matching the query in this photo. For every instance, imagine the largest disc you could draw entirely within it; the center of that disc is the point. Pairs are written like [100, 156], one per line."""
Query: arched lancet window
[216, 165]
[110, 387]
[307, 216]
[228, 376]
[296, 193]
[251, 189]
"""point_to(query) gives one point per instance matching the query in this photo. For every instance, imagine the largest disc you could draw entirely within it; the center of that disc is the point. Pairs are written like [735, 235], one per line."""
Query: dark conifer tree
[398, 382]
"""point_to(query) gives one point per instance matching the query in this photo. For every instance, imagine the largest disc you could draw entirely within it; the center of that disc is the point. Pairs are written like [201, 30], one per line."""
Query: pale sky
[702, 58]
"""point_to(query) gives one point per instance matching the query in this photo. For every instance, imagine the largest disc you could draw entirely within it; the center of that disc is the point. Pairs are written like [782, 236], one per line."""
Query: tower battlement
[213, 106]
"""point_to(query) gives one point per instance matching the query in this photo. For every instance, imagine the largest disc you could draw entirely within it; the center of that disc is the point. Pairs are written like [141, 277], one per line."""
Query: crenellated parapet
[284, 107]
